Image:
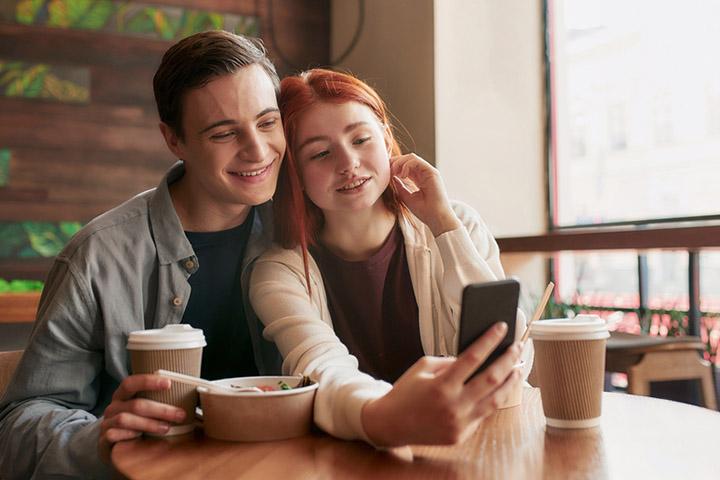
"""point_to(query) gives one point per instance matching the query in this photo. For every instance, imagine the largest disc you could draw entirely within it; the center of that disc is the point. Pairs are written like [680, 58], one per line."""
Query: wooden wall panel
[70, 162]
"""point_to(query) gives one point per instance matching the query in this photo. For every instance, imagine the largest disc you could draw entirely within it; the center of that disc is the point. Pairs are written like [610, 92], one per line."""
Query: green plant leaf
[28, 252]
[14, 238]
[214, 20]
[68, 229]
[76, 9]
[26, 10]
[44, 238]
[34, 81]
[9, 75]
[163, 25]
[58, 14]
[96, 16]
[141, 21]
[195, 22]
[20, 286]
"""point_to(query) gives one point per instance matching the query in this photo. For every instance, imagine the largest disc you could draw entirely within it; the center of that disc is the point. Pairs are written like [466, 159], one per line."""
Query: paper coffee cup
[570, 364]
[177, 348]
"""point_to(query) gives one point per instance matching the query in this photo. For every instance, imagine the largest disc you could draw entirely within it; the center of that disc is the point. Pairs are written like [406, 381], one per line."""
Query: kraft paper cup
[570, 363]
[177, 348]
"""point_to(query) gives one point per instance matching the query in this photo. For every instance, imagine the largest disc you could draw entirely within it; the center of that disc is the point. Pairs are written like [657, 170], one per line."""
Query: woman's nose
[347, 161]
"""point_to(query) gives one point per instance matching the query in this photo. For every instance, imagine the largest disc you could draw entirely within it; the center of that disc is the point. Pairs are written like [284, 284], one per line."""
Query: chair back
[8, 363]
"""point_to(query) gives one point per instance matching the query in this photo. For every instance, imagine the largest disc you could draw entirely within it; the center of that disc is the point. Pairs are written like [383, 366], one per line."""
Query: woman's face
[342, 156]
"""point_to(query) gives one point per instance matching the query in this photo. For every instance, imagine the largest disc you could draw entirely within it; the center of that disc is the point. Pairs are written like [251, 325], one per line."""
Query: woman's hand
[431, 404]
[422, 190]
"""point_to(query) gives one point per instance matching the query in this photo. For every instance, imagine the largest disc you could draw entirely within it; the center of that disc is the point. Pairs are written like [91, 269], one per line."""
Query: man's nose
[253, 147]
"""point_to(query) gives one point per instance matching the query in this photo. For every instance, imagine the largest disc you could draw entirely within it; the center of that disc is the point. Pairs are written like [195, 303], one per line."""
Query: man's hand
[127, 417]
[436, 403]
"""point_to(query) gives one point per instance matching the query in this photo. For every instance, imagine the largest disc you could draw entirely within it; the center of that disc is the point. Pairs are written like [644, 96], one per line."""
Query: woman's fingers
[410, 166]
[494, 375]
[473, 356]
[487, 405]
[430, 366]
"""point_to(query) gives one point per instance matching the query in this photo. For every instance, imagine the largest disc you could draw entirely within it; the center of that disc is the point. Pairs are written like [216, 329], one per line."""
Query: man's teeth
[355, 184]
[251, 174]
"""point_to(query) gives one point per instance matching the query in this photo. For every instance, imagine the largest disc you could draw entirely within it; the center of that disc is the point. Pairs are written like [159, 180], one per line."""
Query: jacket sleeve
[470, 254]
[310, 347]
[46, 430]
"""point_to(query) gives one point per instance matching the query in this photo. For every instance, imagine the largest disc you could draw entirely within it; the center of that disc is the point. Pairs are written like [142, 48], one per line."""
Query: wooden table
[640, 437]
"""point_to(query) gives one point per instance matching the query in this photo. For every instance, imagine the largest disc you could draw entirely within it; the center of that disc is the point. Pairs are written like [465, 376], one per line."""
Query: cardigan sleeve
[470, 254]
[301, 328]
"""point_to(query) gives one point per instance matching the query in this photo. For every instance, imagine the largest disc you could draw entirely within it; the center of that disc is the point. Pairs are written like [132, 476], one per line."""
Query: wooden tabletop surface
[640, 437]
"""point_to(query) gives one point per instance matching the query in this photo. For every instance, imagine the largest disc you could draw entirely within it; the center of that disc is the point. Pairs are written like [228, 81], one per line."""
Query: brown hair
[195, 60]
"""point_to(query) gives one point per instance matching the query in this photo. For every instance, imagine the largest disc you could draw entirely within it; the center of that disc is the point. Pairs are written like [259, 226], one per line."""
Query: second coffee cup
[570, 365]
[177, 348]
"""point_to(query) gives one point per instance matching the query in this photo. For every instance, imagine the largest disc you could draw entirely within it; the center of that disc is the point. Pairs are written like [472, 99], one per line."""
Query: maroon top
[373, 307]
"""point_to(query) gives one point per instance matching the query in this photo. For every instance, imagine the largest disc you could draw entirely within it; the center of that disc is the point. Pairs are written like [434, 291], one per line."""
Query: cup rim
[170, 337]
[582, 327]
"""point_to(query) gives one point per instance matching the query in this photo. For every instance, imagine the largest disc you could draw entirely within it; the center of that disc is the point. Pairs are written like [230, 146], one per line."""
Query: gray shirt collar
[173, 245]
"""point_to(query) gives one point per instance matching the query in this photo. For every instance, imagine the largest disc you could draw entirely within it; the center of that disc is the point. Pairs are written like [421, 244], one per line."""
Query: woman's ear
[386, 137]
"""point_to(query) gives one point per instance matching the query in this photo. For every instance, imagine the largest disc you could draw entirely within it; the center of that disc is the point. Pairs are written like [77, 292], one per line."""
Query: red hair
[297, 220]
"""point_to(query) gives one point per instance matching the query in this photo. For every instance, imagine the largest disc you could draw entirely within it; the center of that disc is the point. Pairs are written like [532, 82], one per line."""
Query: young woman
[368, 275]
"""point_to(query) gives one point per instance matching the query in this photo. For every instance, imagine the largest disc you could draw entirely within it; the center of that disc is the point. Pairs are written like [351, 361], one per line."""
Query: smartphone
[483, 305]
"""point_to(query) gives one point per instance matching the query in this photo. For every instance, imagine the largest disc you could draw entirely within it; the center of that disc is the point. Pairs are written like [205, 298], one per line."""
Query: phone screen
[483, 305]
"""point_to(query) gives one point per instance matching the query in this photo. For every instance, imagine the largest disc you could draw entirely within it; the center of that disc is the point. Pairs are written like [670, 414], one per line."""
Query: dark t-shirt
[216, 305]
[373, 307]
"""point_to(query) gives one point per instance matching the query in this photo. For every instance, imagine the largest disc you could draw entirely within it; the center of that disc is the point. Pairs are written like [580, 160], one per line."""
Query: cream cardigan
[302, 328]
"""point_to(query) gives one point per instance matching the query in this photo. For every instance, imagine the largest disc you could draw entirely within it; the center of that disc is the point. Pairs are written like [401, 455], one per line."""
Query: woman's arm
[468, 250]
[301, 328]
[470, 254]
[350, 404]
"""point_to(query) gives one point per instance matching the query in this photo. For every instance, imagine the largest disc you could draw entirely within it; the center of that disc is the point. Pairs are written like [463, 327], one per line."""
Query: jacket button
[177, 301]
[189, 264]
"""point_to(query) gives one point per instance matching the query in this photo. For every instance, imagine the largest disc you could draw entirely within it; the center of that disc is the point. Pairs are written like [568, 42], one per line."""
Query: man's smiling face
[233, 140]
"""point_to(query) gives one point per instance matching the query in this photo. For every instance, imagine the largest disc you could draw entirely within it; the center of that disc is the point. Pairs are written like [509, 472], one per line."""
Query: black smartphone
[483, 305]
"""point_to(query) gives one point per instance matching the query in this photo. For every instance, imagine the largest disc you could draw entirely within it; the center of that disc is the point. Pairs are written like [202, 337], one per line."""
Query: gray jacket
[126, 270]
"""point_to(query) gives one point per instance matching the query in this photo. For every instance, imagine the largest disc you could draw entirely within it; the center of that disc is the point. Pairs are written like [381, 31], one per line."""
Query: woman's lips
[353, 185]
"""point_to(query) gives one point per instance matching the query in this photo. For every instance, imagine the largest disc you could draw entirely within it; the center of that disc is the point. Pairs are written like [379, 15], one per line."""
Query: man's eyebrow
[319, 138]
[228, 121]
[219, 123]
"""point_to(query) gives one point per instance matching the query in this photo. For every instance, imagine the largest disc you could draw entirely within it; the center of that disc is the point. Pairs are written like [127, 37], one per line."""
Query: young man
[179, 253]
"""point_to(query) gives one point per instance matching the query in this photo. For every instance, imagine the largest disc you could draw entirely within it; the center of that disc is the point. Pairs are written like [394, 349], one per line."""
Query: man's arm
[45, 425]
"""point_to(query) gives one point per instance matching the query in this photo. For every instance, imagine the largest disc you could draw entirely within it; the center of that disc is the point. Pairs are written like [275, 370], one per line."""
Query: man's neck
[202, 214]
[359, 235]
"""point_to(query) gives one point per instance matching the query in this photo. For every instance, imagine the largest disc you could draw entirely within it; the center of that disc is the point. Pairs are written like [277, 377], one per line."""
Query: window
[635, 99]
[634, 140]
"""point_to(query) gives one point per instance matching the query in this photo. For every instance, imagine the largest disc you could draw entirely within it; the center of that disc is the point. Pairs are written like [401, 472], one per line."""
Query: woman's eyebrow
[319, 138]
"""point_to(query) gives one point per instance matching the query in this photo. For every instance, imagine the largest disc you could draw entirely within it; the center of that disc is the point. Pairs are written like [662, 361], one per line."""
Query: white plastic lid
[582, 327]
[170, 337]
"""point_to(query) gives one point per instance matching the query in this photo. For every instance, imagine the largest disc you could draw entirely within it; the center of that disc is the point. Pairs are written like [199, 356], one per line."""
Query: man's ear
[172, 141]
